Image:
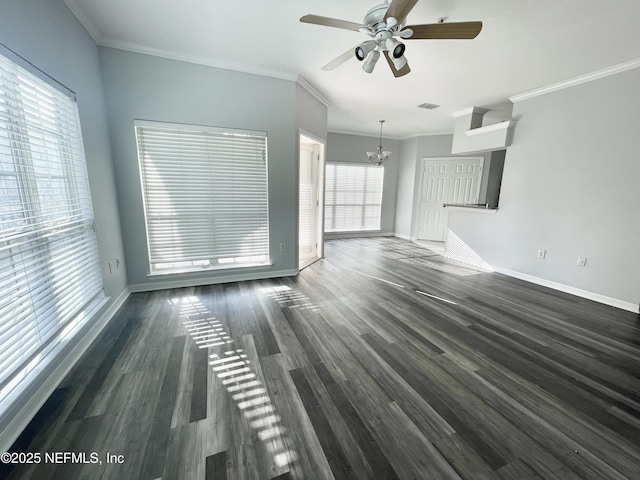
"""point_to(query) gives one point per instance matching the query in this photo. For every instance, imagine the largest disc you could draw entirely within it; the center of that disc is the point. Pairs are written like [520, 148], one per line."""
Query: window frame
[50, 270]
[330, 201]
[213, 261]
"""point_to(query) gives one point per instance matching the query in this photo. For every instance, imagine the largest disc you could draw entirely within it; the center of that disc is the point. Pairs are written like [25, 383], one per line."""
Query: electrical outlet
[542, 253]
[110, 268]
[582, 261]
[283, 247]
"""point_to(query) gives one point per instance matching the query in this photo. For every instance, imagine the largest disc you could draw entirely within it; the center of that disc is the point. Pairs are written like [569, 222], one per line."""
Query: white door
[445, 180]
[309, 203]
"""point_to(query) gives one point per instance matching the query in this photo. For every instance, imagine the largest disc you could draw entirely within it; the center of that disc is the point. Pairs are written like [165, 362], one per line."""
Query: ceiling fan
[384, 23]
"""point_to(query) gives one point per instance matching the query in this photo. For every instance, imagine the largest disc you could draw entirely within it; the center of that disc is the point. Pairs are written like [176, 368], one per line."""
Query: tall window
[50, 274]
[353, 197]
[205, 196]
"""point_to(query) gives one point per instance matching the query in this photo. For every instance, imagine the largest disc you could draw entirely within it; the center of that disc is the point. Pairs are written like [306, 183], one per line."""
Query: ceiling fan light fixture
[399, 62]
[396, 48]
[385, 23]
[371, 61]
[363, 50]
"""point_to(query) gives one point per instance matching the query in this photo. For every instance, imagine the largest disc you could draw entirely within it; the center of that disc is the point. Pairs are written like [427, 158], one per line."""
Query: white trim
[85, 20]
[313, 91]
[49, 383]
[392, 137]
[596, 297]
[361, 234]
[312, 137]
[309, 261]
[194, 282]
[400, 235]
[361, 134]
[208, 270]
[321, 143]
[470, 111]
[490, 128]
[429, 134]
[137, 122]
[588, 77]
[472, 209]
[167, 55]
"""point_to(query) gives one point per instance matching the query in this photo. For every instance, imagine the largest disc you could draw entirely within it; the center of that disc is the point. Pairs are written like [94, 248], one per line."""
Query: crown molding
[85, 20]
[602, 73]
[361, 134]
[313, 91]
[392, 137]
[427, 134]
[167, 55]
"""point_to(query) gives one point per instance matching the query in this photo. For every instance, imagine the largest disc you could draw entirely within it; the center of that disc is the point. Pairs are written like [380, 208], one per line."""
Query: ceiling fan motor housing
[382, 31]
[376, 15]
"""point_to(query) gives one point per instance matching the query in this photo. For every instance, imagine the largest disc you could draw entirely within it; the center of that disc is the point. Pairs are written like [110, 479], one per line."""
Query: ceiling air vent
[428, 106]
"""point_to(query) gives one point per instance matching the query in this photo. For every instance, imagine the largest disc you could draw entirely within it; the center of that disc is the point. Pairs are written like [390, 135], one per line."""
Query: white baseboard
[30, 407]
[596, 297]
[344, 235]
[404, 237]
[194, 282]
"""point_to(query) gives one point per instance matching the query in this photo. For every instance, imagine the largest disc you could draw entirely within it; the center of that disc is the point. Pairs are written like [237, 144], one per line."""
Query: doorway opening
[310, 200]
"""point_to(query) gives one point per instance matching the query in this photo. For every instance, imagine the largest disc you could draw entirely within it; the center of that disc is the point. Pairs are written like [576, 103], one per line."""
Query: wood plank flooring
[382, 361]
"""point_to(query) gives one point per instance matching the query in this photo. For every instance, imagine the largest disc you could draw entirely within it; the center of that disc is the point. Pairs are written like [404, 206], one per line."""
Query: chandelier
[379, 155]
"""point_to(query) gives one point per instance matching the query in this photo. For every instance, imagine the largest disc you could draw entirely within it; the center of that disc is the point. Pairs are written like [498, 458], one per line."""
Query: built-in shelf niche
[470, 136]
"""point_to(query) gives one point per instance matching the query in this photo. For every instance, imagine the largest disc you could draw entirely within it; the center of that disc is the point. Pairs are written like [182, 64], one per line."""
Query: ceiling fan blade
[396, 73]
[331, 22]
[399, 9]
[445, 31]
[339, 60]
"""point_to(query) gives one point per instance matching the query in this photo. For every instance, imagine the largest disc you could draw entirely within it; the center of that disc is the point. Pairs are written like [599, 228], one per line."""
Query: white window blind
[306, 199]
[50, 274]
[205, 196]
[353, 197]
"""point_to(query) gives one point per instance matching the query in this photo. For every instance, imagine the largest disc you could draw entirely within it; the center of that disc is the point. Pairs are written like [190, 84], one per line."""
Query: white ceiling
[524, 45]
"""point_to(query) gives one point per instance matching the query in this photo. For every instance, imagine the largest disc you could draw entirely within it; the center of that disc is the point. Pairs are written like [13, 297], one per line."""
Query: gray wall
[406, 182]
[46, 33]
[311, 114]
[571, 187]
[352, 149]
[413, 150]
[151, 88]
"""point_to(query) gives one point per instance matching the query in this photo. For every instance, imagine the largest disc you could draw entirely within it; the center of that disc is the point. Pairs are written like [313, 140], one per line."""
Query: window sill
[340, 232]
[209, 270]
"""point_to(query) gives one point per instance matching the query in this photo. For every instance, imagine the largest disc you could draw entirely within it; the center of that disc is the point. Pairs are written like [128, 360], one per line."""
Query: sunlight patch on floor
[233, 369]
[290, 298]
[457, 249]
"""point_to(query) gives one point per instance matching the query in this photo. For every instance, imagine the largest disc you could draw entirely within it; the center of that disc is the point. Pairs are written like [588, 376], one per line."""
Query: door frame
[306, 137]
[415, 217]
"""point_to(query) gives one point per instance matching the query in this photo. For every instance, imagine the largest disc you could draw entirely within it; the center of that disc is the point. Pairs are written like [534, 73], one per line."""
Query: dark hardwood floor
[382, 361]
